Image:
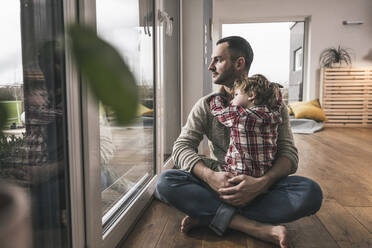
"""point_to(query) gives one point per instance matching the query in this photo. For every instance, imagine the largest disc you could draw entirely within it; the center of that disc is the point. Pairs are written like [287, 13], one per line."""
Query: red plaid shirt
[253, 135]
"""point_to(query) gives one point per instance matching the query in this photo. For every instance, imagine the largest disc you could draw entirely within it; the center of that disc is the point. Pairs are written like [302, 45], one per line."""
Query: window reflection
[33, 149]
[127, 152]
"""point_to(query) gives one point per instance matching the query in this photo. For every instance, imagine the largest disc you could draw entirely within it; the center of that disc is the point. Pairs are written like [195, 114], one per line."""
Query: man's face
[221, 66]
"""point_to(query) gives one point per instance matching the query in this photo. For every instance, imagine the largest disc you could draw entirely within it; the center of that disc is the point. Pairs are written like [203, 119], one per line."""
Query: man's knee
[311, 196]
[163, 182]
[315, 196]
[167, 181]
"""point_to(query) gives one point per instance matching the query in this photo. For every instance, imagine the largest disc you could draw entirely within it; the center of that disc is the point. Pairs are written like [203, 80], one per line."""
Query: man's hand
[215, 180]
[245, 189]
[219, 180]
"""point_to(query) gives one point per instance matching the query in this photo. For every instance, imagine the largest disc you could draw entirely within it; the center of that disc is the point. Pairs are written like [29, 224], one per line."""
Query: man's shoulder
[206, 98]
[201, 109]
[203, 102]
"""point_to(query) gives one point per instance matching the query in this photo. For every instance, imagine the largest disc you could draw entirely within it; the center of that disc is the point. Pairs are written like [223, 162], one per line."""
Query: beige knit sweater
[201, 122]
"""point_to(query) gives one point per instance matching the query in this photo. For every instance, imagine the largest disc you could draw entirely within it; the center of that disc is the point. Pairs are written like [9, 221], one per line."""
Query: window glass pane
[298, 59]
[127, 152]
[33, 147]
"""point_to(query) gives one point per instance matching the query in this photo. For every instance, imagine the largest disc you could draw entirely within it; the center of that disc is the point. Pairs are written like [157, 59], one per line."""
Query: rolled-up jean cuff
[222, 218]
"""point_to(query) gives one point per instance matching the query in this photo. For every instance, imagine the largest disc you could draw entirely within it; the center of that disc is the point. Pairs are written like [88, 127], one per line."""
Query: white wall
[194, 48]
[192, 54]
[171, 91]
[325, 27]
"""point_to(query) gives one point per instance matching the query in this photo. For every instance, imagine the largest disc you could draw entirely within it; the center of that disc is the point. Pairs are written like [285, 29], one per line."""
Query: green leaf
[3, 116]
[109, 78]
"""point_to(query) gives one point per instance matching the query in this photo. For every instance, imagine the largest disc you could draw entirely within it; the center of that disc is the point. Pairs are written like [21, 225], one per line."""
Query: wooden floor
[339, 159]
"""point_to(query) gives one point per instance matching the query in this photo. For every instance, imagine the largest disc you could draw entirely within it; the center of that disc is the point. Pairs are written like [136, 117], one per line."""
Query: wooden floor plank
[149, 228]
[230, 239]
[354, 151]
[171, 229]
[172, 237]
[255, 243]
[343, 227]
[363, 215]
[194, 239]
[320, 159]
[309, 232]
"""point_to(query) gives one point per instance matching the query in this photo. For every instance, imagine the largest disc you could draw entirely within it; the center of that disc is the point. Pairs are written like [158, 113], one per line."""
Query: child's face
[241, 99]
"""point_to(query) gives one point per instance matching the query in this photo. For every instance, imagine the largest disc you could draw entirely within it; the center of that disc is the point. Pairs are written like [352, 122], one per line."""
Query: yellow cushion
[314, 102]
[290, 112]
[308, 111]
[143, 110]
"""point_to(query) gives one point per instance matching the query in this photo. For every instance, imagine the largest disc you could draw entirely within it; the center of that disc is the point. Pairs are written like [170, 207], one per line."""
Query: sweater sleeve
[285, 142]
[185, 149]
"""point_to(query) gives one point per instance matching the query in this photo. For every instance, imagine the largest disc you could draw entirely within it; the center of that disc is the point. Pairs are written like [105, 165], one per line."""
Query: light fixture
[352, 22]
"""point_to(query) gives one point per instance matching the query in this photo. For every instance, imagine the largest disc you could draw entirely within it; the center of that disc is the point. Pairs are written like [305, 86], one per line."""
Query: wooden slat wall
[346, 96]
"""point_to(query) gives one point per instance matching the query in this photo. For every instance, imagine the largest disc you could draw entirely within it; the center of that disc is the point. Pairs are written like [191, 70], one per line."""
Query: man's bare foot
[279, 236]
[274, 234]
[188, 223]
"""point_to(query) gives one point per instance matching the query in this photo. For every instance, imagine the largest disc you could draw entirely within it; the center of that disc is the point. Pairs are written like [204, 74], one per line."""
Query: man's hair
[266, 92]
[238, 47]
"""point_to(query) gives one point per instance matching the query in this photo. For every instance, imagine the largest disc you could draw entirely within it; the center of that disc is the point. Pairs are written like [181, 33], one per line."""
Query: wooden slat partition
[346, 96]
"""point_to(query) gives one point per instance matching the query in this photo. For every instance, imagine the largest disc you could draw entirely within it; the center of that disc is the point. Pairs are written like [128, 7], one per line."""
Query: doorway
[278, 52]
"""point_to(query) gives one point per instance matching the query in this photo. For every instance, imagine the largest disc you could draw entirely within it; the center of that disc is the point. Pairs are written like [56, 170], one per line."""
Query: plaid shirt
[253, 135]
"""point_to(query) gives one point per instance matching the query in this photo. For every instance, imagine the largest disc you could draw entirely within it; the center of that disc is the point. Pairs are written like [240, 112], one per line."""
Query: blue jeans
[289, 199]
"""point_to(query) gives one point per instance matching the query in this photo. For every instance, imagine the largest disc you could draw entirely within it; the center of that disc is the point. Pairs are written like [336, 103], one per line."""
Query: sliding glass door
[127, 152]
[88, 178]
[119, 161]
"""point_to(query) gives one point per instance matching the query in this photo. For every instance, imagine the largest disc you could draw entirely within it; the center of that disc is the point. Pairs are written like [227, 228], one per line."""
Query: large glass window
[32, 87]
[127, 152]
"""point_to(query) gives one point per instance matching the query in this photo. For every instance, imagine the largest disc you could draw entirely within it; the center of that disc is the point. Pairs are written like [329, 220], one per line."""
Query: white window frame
[76, 176]
[85, 172]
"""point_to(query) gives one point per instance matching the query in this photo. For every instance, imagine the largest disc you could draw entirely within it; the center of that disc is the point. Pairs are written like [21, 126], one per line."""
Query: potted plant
[335, 56]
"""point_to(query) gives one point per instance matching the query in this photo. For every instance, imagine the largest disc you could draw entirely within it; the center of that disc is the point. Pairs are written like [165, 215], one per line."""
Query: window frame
[85, 170]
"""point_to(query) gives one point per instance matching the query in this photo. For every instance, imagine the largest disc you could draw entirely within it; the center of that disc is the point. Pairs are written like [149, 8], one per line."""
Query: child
[253, 117]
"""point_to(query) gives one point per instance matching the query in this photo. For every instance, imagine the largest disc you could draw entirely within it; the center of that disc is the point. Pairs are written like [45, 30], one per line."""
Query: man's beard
[226, 78]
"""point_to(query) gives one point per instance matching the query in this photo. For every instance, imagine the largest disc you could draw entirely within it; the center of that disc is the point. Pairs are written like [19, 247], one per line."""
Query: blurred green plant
[109, 78]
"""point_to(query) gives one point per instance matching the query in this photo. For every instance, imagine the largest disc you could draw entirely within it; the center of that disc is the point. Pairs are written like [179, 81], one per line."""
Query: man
[217, 199]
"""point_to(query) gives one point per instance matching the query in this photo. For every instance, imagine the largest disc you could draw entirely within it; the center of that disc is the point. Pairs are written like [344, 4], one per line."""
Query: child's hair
[266, 92]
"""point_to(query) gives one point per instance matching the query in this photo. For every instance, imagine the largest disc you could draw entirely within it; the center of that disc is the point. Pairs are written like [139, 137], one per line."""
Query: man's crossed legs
[289, 199]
